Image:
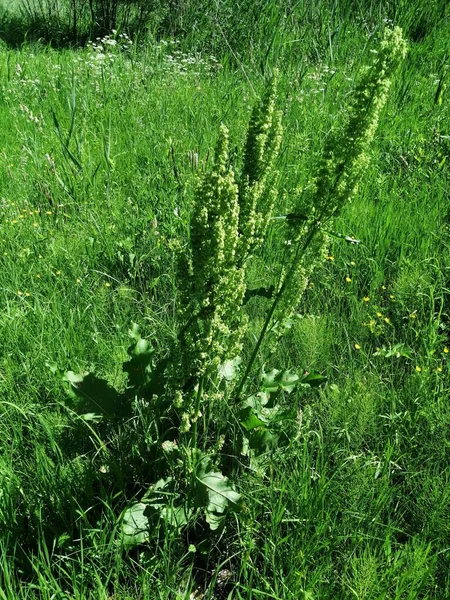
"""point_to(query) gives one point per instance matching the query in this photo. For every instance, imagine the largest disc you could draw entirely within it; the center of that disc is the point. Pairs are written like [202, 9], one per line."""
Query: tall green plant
[204, 369]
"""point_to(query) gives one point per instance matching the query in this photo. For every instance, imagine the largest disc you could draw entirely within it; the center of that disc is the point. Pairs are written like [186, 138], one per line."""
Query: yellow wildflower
[418, 369]
[348, 279]
[357, 347]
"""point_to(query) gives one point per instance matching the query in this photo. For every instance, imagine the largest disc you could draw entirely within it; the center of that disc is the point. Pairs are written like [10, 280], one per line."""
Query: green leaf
[90, 394]
[135, 525]
[213, 491]
[228, 370]
[313, 379]
[398, 350]
[261, 441]
[156, 383]
[139, 365]
[249, 420]
[176, 517]
[214, 520]
[276, 380]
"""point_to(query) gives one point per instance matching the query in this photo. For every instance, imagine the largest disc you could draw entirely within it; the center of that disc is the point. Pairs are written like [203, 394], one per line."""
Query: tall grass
[98, 163]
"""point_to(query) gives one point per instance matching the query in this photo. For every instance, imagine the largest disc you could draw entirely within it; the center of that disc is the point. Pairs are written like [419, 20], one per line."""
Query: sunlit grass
[97, 165]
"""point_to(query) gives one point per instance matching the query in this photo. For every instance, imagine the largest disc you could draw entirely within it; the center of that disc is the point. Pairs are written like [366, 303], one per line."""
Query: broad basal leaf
[214, 492]
[135, 525]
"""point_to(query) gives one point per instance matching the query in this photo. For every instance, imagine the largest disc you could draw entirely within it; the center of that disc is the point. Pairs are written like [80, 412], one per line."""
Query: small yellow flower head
[439, 369]
[418, 369]
[366, 299]
[387, 320]
[107, 284]
[413, 316]
[19, 293]
[357, 347]
[348, 279]
[379, 314]
[446, 350]
[353, 263]
[78, 280]
[329, 257]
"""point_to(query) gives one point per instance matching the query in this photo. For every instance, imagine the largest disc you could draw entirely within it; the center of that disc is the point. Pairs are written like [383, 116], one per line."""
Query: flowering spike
[346, 151]
[211, 286]
[257, 190]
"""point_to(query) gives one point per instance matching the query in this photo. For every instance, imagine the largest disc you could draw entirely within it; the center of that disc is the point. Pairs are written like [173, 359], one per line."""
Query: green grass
[97, 168]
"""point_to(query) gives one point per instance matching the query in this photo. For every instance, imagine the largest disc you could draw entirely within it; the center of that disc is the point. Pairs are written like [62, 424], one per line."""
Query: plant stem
[298, 255]
[198, 400]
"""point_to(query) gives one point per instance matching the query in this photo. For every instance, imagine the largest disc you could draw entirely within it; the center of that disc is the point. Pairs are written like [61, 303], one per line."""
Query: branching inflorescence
[230, 221]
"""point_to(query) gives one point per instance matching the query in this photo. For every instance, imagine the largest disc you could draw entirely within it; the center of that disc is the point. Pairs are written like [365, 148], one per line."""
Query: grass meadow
[100, 150]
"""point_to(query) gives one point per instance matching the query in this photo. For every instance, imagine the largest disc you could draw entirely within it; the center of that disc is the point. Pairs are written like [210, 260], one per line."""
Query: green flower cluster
[211, 283]
[229, 222]
[345, 155]
[258, 185]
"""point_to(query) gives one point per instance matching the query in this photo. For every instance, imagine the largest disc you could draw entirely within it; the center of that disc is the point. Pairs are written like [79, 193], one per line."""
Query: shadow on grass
[16, 30]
